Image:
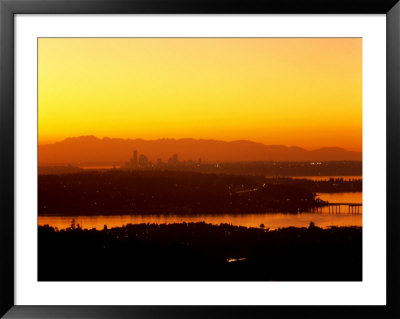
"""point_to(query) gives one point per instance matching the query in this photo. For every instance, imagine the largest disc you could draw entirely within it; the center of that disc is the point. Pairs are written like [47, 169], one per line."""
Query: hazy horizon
[93, 149]
[285, 91]
[191, 138]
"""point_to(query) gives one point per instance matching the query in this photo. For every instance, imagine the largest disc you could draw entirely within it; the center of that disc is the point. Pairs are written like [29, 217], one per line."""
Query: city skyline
[96, 150]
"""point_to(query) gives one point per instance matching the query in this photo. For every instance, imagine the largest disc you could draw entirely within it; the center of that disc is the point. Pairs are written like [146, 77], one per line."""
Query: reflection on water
[324, 218]
[350, 198]
[271, 221]
[324, 178]
[355, 198]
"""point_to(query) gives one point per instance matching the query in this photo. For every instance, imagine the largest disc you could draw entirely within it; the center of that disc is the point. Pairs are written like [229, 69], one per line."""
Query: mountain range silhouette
[93, 150]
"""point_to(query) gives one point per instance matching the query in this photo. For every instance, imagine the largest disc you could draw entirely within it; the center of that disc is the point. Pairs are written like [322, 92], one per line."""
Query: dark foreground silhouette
[199, 251]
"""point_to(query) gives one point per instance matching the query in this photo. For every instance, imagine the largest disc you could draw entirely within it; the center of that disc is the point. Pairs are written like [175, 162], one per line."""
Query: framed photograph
[199, 159]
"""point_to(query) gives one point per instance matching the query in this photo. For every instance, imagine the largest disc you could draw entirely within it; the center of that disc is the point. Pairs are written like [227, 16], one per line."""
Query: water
[355, 198]
[272, 221]
[324, 178]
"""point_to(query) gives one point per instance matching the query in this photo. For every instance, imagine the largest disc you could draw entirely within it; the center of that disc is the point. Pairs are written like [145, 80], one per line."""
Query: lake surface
[355, 198]
[271, 220]
[325, 178]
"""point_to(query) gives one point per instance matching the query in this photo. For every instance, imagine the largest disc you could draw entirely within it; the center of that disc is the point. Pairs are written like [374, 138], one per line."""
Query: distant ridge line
[93, 149]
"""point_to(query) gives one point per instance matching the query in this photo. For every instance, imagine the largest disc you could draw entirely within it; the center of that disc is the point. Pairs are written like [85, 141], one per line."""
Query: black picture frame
[8, 8]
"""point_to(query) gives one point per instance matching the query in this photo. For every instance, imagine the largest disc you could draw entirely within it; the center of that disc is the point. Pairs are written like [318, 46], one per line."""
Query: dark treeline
[58, 170]
[329, 168]
[164, 192]
[329, 185]
[199, 251]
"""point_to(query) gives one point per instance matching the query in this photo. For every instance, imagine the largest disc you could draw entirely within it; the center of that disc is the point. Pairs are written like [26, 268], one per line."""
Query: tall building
[173, 161]
[143, 161]
[134, 159]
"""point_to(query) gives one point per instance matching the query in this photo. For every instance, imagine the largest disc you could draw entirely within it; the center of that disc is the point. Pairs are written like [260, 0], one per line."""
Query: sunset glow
[304, 92]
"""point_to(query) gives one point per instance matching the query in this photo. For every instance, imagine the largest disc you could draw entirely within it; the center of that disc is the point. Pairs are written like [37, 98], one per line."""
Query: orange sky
[305, 92]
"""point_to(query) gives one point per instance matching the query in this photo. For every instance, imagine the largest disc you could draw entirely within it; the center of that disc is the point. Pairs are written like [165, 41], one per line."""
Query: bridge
[353, 208]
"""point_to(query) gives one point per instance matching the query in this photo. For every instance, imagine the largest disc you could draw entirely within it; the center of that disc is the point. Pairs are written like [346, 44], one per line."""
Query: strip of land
[176, 192]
